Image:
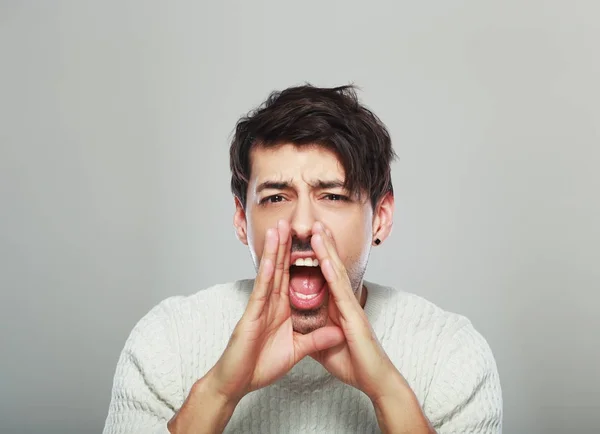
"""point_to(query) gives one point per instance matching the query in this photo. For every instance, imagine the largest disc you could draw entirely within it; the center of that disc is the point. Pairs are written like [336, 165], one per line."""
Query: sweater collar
[377, 296]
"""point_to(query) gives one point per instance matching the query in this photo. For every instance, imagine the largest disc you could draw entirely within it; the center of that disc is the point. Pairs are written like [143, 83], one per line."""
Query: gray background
[114, 125]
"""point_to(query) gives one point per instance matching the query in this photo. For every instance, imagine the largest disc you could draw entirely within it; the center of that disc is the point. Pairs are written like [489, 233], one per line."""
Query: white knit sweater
[447, 363]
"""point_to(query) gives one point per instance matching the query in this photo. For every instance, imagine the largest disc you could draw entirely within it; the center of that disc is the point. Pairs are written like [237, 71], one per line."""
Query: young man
[307, 346]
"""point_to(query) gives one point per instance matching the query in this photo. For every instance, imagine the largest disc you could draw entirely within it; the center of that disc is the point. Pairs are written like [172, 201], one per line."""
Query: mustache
[299, 245]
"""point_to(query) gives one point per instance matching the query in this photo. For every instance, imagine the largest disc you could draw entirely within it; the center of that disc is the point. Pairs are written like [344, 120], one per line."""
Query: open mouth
[307, 284]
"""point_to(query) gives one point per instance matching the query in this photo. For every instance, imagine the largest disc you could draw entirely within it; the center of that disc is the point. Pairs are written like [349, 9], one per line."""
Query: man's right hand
[262, 348]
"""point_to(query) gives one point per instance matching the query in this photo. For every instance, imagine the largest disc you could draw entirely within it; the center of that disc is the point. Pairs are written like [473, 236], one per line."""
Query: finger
[285, 282]
[266, 270]
[335, 274]
[333, 313]
[319, 227]
[331, 265]
[281, 268]
[321, 339]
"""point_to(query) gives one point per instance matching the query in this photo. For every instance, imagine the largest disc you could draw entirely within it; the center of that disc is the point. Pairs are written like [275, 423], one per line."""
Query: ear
[383, 218]
[239, 222]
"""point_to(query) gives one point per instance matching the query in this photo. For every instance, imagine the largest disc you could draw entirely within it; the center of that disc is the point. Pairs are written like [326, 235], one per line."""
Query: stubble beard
[307, 321]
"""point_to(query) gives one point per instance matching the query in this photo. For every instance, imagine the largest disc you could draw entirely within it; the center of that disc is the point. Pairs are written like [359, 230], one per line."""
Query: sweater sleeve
[147, 383]
[465, 396]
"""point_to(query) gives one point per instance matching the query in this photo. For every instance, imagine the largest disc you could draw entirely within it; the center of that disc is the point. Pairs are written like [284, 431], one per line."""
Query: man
[307, 346]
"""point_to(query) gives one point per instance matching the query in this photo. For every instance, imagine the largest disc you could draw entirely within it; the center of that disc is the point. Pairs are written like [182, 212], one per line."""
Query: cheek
[255, 243]
[355, 223]
[257, 229]
[352, 239]
[353, 251]
[259, 220]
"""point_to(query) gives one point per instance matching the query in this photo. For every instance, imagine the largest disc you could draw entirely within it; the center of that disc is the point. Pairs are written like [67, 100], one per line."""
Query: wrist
[398, 409]
[403, 401]
[401, 414]
[206, 409]
[391, 385]
[212, 385]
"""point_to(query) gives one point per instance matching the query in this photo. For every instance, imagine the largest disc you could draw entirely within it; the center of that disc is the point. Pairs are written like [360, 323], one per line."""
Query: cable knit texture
[447, 363]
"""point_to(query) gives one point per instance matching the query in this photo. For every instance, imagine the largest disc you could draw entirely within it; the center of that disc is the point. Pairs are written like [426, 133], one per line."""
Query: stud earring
[377, 241]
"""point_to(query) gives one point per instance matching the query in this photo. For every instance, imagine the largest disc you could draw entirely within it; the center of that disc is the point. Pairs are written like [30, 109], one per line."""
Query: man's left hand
[360, 360]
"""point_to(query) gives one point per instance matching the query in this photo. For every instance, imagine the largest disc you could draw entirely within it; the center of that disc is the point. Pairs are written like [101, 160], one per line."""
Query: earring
[377, 241]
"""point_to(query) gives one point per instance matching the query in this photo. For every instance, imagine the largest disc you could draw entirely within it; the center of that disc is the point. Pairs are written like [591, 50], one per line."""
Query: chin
[306, 321]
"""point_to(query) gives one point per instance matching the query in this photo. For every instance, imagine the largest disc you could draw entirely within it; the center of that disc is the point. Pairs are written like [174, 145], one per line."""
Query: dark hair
[330, 117]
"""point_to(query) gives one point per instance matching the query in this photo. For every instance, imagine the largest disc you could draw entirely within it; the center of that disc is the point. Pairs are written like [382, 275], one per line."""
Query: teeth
[306, 262]
[305, 296]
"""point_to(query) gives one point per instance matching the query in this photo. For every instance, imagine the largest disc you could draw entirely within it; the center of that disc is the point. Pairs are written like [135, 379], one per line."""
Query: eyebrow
[273, 185]
[324, 185]
[286, 185]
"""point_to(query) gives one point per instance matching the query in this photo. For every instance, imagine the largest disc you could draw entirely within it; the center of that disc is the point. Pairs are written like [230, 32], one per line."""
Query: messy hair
[330, 117]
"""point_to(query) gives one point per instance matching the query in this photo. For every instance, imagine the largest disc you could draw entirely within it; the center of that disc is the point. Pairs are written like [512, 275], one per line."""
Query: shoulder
[452, 335]
[454, 339]
[163, 326]
[446, 360]
[208, 301]
[153, 349]
[465, 393]
[398, 311]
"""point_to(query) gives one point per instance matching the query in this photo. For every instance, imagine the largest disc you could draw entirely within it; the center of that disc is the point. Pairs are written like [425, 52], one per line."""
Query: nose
[302, 219]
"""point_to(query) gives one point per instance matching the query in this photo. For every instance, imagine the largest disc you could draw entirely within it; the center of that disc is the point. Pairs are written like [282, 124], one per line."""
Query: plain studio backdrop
[115, 120]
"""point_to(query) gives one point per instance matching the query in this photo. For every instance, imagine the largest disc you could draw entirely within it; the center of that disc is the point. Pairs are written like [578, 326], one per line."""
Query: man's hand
[262, 348]
[360, 360]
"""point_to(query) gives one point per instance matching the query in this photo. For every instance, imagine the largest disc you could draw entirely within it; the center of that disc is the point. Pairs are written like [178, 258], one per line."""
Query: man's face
[302, 185]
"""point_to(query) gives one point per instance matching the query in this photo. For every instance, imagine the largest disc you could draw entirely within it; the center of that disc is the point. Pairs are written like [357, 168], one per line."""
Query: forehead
[294, 163]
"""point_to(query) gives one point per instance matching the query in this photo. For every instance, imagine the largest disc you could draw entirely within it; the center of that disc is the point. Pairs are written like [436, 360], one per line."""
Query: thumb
[318, 340]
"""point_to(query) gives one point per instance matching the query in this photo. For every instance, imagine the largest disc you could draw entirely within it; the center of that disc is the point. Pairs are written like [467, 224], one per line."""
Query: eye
[272, 199]
[336, 197]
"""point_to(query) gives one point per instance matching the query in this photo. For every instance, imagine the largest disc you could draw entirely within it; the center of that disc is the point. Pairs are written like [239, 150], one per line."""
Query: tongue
[306, 280]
